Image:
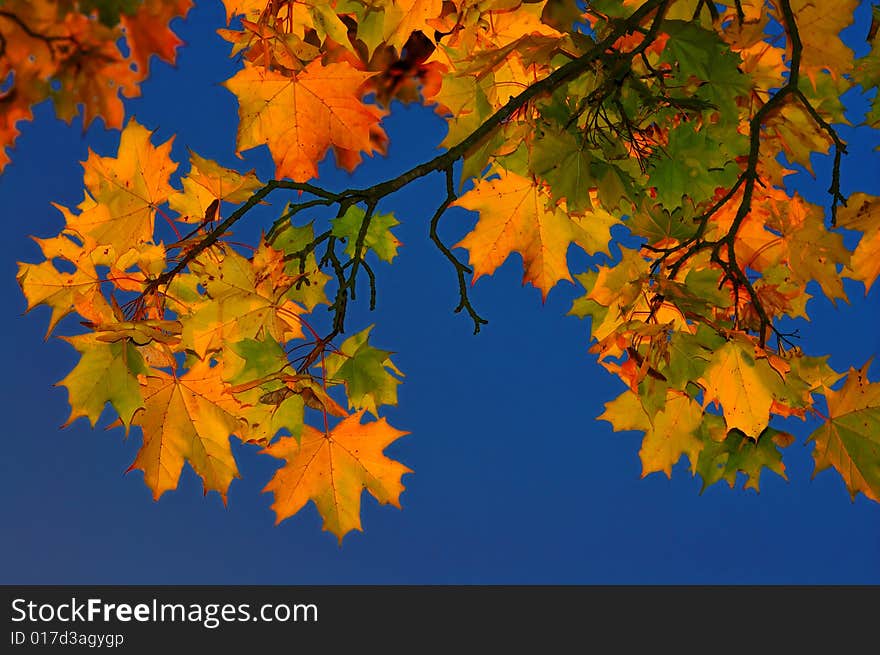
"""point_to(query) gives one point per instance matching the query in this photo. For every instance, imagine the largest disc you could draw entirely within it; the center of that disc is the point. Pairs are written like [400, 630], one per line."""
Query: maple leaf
[403, 17]
[566, 167]
[332, 469]
[694, 163]
[743, 384]
[94, 75]
[793, 131]
[187, 419]
[366, 372]
[673, 432]
[378, 238]
[300, 117]
[241, 303]
[62, 290]
[147, 31]
[820, 24]
[850, 439]
[862, 212]
[208, 181]
[125, 191]
[518, 215]
[735, 453]
[669, 433]
[106, 372]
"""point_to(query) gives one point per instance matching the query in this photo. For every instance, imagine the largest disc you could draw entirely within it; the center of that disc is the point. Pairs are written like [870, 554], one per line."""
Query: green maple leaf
[366, 372]
[566, 166]
[256, 359]
[309, 291]
[251, 360]
[737, 453]
[694, 163]
[106, 372]
[657, 223]
[689, 355]
[693, 51]
[379, 238]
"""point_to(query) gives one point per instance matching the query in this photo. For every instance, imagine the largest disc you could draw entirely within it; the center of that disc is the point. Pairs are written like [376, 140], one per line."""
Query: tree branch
[725, 246]
[461, 269]
[442, 163]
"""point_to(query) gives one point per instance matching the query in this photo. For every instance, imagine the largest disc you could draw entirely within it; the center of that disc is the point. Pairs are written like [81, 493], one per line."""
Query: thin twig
[461, 269]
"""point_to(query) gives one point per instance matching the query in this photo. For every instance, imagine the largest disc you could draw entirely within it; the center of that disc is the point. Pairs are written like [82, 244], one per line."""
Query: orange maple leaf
[333, 468]
[147, 31]
[518, 215]
[300, 117]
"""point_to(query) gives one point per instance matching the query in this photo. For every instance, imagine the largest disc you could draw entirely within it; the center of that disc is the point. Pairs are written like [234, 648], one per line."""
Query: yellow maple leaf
[208, 181]
[106, 372]
[518, 215]
[65, 291]
[244, 301]
[332, 469]
[669, 434]
[674, 432]
[404, 17]
[743, 384]
[819, 24]
[187, 419]
[125, 191]
[300, 117]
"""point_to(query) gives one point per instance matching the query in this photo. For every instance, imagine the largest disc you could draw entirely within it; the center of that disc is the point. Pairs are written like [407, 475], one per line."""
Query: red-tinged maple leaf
[148, 33]
[94, 74]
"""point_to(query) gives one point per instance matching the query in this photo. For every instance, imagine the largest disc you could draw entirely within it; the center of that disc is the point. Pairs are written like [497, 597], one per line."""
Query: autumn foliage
[663, 128]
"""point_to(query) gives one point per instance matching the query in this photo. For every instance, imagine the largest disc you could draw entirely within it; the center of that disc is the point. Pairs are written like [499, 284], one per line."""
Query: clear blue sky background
[516, 482]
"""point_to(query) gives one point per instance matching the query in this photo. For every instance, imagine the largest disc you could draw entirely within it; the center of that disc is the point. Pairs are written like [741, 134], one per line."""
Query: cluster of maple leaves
[674, 120]
[69, 51]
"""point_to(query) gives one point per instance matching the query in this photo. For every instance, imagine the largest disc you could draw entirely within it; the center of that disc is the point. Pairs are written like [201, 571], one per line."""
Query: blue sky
[516, 482]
